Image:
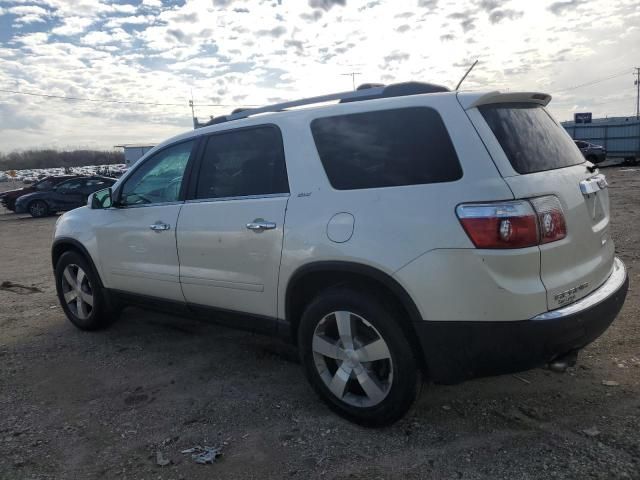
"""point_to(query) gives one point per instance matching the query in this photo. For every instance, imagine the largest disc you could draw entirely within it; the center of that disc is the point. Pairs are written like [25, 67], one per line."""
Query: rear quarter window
[386, 148]
[530, 138]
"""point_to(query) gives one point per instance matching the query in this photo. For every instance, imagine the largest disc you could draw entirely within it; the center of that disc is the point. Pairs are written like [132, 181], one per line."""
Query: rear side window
[530, 138]
[241, 163]
[386, 148]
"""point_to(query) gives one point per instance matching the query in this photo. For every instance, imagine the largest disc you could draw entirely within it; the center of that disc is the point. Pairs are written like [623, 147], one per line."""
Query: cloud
[403, 28]
[326, 5]
[488, 5]
[497, 16]
[558, 8]
[273, 32]
[447, 38]
[396, 56]
[312, 17]
[467, 23]
[430, 4]
[28, 14]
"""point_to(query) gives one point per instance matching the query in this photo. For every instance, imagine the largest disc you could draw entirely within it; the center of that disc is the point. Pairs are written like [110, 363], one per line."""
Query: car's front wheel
[38, 209]
[81, 294]
[357, 357]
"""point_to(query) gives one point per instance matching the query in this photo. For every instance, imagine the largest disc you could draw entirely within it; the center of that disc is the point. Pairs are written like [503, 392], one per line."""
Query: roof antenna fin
[465, 75]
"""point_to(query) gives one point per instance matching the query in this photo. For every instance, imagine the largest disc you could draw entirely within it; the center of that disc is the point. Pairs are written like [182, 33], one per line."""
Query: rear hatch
[536, 158]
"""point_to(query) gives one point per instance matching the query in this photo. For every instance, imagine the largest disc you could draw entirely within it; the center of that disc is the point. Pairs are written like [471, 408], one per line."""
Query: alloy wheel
[77, 291]
[37, 209]
[352, 359]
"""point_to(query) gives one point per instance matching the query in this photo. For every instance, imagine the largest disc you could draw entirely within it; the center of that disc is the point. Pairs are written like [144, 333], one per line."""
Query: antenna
[353, 77]
[465, 75]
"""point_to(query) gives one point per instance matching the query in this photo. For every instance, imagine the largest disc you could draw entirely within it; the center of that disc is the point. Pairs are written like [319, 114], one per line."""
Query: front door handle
[159, 226]
[258, 225]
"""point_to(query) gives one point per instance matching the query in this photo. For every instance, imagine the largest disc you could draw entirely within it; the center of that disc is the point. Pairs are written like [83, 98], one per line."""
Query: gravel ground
[115, 404]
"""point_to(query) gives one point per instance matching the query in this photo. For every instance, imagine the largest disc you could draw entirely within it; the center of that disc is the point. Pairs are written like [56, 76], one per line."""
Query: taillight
[499, 225]
[550, 218]
[513, 224]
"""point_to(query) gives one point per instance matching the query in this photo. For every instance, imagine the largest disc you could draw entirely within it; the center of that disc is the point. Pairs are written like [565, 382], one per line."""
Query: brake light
[499, 225]
[513, 224]
[550, 218]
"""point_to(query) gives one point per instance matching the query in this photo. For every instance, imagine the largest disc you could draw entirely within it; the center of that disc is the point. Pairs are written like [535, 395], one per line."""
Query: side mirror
[100, 199]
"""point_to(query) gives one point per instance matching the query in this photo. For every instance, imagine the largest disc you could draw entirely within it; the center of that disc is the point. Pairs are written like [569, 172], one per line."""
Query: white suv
[403, 232]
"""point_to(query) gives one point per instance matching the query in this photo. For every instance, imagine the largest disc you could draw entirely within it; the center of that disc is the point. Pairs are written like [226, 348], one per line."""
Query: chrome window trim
[159, 204]
[608, 288]
[242, 197]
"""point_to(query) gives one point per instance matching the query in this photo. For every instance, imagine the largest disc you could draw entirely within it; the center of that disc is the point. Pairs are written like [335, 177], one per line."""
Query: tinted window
[241, 163]
[46, 184]
[530, 138]
[71, 185]
[159, 178]
[386, 148]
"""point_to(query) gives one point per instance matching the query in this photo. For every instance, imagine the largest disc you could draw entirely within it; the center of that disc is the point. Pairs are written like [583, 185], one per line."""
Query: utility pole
[353, 77]
[637, 84]
[193, 113]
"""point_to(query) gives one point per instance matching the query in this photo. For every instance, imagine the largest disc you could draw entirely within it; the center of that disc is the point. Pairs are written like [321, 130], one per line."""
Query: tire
[38, 209]
[370, 393]
[593, 159]
[87, 307]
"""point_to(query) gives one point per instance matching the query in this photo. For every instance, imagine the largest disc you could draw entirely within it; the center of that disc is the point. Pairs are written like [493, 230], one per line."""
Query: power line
[125, 102]
[593, 82]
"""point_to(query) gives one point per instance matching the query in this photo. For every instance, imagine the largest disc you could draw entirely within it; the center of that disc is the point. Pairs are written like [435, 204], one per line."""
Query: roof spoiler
[470, 100]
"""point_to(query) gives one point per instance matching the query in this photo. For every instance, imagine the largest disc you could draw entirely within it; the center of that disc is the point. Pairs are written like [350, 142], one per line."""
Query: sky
[231, 53]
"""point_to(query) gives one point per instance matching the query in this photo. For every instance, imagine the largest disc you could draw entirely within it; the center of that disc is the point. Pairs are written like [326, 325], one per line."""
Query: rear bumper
[458, 350]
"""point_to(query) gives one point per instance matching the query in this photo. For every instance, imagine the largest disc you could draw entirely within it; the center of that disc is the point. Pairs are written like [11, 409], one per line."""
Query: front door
[137, 242]
[230, 230]
[70, 194]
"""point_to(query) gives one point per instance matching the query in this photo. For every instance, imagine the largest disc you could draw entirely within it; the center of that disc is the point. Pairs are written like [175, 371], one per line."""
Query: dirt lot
[102, 405]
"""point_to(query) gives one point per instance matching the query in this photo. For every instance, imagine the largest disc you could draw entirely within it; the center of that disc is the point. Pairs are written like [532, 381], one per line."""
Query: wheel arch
[307, 281]
[66, 244]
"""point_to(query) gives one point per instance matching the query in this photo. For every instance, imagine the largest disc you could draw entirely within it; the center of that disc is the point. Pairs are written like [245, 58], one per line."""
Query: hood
[30, 196]
[9, 193]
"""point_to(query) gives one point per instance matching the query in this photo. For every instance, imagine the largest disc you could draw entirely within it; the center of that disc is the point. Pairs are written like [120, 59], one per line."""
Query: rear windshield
[386, 148]
[531, 140]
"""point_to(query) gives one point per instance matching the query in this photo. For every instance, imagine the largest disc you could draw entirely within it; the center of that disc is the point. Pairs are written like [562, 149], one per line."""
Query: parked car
[405, 232]
[8, 198]
[592, 152]
[64, 196]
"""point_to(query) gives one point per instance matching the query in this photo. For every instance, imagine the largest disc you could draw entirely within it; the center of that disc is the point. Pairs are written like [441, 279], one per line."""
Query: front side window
[71, 186]
[159, 178]
[46, 184]
[386, 148]
[242, 163]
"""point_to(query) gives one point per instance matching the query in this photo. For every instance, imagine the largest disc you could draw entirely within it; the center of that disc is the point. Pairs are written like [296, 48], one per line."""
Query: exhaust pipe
[560, 364]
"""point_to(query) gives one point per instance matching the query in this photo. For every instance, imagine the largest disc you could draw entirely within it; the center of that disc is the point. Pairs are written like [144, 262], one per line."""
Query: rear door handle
[259, 225]
[159, 226]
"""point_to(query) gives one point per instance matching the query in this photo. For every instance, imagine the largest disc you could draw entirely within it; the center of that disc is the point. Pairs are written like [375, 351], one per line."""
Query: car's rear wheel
[81, 294]
[38, 209]
[357, 357]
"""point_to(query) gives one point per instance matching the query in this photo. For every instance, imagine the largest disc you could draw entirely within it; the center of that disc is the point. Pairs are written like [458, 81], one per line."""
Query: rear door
[536, 158]
[230, 230]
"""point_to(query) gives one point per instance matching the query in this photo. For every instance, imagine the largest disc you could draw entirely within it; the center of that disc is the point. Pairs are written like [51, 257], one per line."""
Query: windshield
[530, 138]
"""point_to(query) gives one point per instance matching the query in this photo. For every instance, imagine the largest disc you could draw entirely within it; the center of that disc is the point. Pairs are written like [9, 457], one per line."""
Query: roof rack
[364, 92]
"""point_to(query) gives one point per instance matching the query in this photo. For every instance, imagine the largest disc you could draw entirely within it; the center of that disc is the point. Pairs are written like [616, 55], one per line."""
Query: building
[134, 151]
[620, 136]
